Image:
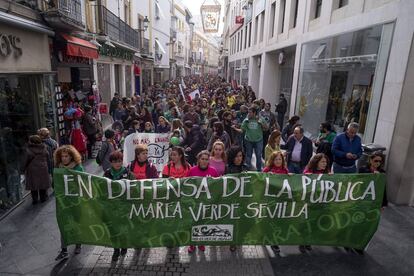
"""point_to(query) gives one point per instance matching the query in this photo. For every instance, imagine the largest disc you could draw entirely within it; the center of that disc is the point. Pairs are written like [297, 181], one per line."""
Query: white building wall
[161, 30]
[357, 15]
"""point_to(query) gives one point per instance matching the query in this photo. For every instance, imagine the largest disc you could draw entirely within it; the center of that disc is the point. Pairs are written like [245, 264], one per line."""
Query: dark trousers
[36, 193]
[91, 142]
[280, 117]
[266, 135]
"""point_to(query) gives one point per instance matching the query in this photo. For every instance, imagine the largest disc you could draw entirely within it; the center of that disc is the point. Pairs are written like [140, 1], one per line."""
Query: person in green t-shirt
[253, 127]
[324, 141]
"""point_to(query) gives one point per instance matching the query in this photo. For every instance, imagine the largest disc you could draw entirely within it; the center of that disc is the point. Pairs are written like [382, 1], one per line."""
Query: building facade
[26, 92]
[334, 60]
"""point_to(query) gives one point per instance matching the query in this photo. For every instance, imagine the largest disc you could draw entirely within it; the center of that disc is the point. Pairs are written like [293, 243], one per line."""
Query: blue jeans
[341, 169]
[258, 147]
[294, 167]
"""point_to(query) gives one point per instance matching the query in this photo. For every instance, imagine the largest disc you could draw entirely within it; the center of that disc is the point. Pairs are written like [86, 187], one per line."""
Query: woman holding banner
[218, 157]
[141, 167]
[202, 169]
[116, 172]
[69, 158]
[178, 167]
[276, 165]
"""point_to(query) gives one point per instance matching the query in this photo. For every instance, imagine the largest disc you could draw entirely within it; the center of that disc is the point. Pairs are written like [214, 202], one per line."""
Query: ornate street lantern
[210, 16]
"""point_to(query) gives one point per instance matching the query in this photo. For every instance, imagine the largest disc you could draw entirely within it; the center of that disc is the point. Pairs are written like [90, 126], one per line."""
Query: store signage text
[116, 52]
[9, 45]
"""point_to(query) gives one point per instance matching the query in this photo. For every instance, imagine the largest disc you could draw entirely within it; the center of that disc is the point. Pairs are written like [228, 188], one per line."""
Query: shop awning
[78, 47]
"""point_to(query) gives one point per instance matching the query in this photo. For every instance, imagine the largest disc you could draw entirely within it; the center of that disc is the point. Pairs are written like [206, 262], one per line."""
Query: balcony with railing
[115, 28]
[63, 14]
[145, 50]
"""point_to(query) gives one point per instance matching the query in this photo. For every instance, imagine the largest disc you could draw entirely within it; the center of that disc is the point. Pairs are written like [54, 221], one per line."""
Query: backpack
[100, 156]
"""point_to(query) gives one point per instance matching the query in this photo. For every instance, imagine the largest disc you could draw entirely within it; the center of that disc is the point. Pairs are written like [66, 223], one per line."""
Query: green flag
[240, 209]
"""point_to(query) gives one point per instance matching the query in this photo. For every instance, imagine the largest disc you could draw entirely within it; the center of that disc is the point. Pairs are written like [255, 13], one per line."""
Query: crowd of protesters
[215, 128]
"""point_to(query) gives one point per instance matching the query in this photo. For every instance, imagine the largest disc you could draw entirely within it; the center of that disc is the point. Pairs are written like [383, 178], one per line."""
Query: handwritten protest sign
[158, 144]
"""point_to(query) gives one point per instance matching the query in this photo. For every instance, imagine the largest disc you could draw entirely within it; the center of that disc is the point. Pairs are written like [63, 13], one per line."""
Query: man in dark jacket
[114, 104]
[281, 109]
[299, 150]
[346, 149]
[90, 128]
[194, 141]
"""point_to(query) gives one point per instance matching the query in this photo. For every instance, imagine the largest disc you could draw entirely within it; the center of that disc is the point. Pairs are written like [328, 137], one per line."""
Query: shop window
[250, 34]
[318, 9]
[336, 79]
[262, 24]
[21, 114]
[295, 8]
[282, 16]
[342, 3]
[272, 20]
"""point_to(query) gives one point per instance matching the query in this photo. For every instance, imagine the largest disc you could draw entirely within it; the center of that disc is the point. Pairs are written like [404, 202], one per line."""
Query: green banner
[240, 209]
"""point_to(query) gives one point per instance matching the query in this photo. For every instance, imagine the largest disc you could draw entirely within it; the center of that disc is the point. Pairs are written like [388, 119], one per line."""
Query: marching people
[177, 167]
[116, 172]
[324, 141]
[375, 165]
[69, 158]
[290, 126]
[253, 127]
[276, 165]
[233, 120]
[36, 168]
[194, 141]
[108, 146]
[202, 169]
[236, 161]
[281, 109]
[141, 167]
[319, 164]
[346, 150]
[218, 157]
[273, 144]
[51, 146]
[299, 150]
[219, 134]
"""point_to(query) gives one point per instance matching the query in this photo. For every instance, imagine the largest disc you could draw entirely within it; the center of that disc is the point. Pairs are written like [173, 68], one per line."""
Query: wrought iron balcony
[63, 14]
[111, 25]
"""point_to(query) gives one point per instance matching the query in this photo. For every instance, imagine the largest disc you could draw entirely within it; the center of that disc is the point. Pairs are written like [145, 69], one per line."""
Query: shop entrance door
[337, 90]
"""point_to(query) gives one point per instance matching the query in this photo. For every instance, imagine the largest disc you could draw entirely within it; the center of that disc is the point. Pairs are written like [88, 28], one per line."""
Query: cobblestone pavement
[246, 260]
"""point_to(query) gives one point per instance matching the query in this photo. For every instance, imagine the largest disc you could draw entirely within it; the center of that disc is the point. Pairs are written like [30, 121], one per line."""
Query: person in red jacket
[141, 167]
[276, 164]
[318, 165]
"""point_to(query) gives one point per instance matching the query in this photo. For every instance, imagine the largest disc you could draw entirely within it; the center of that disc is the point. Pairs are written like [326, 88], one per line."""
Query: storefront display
[336, 79]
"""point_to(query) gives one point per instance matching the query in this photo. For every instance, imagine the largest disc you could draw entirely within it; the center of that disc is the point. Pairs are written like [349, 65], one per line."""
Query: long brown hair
[271, 161]
[70, 150]
[272, 138]
[313, 163]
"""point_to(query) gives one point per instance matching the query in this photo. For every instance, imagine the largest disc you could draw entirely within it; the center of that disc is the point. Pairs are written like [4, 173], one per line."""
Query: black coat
[195, 140]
